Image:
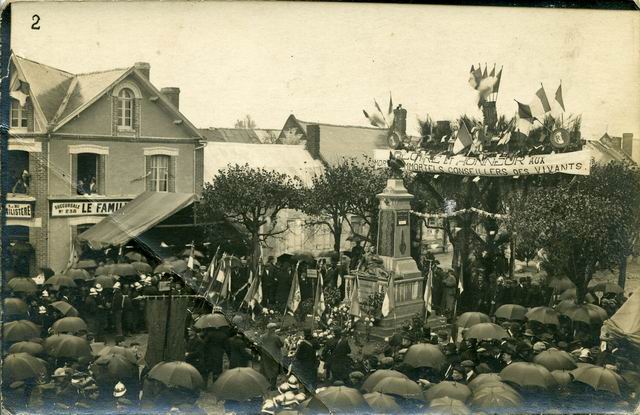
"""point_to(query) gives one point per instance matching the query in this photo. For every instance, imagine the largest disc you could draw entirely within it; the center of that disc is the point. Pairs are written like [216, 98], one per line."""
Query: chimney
[144, 68]
[313, 140]
[172, 94]
[627, 143]
[400, 121]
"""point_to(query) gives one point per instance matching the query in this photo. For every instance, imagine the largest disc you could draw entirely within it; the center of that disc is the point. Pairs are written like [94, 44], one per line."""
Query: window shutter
[102, 176]
[28, 107]
[74, 173]
[147, 172]
[172, 174]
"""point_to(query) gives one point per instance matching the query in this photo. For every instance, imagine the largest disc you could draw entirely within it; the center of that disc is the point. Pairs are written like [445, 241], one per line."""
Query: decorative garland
[460, 212]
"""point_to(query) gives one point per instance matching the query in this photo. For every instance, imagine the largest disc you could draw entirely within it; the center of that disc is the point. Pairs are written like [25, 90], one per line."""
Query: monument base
[403, 267]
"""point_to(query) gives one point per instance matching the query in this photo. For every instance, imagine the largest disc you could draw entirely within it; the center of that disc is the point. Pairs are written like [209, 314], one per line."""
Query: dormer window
[125, 109]
[18, 114]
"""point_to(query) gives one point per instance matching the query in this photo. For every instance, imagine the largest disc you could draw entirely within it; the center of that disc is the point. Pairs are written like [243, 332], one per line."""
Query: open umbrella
[67, 346]
[33, 348]
[181, 374]
[141, 267]
[196, 253]
[560, 284]
[240, 384]
[494, 386]
[599, 378]
[585, 313]
[381, 403]
[484, 378]
[66, 309]
[105, 281]
[22, 285]
[78, 274]
[119, 350]
[404, 388]
[15, 307]
[209, 321]
[134, 256]
[571, 294]
[86, 264]
[562, 377]
[447, 389]
[448, 406]
[179, 266]
[339, 399]
[22, 366]
[528, 374]
[103, 270]
[544, 315]
[489, 398]
[114, 367]
[486, 331]
[378, 375]
[19, 330]
[124, 270]
[303, 256]
[164, 268]
[58, 281]
[425, 355]
[608, 288]
[69, 325]
[511, 312]
[554, 359]
[471, 318]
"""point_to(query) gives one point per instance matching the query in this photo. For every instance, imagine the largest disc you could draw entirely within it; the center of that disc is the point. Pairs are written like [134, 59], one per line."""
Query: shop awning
[136, 217]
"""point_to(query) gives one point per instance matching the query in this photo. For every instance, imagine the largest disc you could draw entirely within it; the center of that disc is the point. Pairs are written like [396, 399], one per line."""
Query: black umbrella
[22, 285]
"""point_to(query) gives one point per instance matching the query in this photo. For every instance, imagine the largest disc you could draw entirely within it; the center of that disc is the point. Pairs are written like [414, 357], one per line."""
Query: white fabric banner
[576, 162]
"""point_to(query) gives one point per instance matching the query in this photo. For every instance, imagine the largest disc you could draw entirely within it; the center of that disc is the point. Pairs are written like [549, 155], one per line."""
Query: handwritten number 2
[36, 22]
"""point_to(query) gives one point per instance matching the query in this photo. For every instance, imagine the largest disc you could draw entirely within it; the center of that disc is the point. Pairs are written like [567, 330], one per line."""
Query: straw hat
[119, 390]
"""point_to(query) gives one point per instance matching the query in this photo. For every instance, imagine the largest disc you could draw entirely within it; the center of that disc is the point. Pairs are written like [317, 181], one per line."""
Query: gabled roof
[292, 160]
[604, 147]
[62, 95]
[238, 135]
[344, 141]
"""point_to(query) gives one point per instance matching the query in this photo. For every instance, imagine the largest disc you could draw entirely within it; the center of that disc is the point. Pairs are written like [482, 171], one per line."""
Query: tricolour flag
[496, 85]
[524, 111]
[318, 301]
[428, 291]
[226, 283]
[463, 139]
[389, 302]
[559, 99]
[354, 306]
[191, 257]
[540, 104]
[254, 293]
[294, 293]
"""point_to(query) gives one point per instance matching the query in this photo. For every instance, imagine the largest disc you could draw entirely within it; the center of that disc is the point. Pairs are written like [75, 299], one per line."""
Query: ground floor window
[20, 250]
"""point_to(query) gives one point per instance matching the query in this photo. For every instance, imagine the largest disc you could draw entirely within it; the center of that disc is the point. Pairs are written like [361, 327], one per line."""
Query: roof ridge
[103, 71]
[340, 125]
[44, 64]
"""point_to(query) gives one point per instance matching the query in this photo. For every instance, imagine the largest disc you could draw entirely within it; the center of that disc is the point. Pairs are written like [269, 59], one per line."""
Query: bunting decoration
[458, 213]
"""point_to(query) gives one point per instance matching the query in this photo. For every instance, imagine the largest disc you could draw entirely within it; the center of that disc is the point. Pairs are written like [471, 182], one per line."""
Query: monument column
[394, 236]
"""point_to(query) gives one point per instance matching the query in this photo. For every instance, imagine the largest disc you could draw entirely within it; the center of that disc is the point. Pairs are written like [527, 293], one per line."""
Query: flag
[73, 257]
[318, 301]
[524, 111]
[484, 73]
[559, 99]
[428, 291]
[191, 257]
[477, 77]
[463, 139]
[460, 286]
[496, 85]
[254, 293]
[389, 302]
[540, 104]
[354, 307]
[294, 293]
[473, 82]
[226, 283]
[493, 71]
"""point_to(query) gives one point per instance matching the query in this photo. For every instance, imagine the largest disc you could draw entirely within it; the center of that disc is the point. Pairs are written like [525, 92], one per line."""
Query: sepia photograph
[270, 208]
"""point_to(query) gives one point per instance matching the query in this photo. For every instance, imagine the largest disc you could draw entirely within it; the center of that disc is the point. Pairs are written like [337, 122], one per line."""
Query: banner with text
[86, 207]
[576, 162]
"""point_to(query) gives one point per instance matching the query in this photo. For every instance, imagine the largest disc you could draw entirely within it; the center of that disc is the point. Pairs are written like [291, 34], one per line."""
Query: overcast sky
[326, 62]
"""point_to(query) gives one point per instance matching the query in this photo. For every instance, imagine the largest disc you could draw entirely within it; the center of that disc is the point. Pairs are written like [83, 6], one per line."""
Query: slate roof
[292, 160]
[238, 135]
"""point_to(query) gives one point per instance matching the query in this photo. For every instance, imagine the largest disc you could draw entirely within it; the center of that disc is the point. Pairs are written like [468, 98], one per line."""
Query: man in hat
[270, 345]
[215, 341]
[117, 307]
[102, 312]
[121, 402]
[66, 393]
[469, 373]
[238, 351]
[340, 360]
[306, 362]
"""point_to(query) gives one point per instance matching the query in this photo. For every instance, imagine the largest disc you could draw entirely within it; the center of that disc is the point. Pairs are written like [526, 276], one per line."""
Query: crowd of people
[104, 369]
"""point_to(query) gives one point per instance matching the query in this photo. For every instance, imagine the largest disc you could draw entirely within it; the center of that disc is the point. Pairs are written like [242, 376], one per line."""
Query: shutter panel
[74, 173]
[147, 172]
[28, 107]
[102, 176]
[172, 174]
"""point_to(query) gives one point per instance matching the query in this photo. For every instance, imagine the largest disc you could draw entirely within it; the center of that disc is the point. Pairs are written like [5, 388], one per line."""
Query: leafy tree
[578, 230]
[250, 198]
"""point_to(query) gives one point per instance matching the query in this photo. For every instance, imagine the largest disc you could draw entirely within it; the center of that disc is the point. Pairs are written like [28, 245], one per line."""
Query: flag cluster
[486, 83]
[537, 109]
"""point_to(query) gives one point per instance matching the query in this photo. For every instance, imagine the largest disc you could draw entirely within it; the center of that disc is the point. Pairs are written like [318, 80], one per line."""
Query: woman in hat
[271, 353]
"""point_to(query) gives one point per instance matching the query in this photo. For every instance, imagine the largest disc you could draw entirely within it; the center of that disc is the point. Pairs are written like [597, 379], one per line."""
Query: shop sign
[86, 208]
[16, 210]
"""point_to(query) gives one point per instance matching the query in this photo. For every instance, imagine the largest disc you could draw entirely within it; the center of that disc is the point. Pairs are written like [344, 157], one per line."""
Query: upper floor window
[160, 173]
[18, 114]
[125, 108]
